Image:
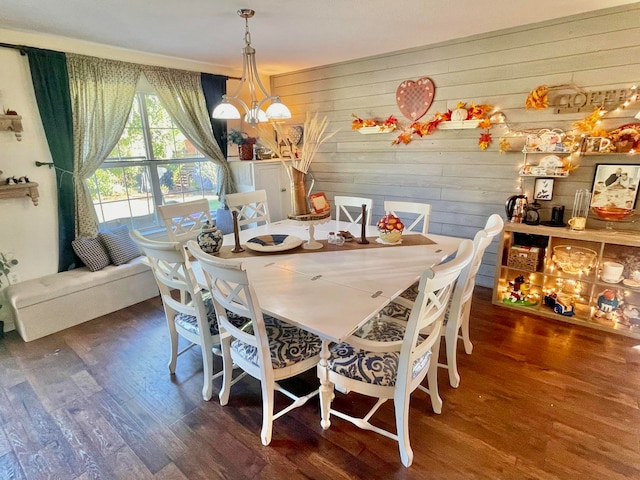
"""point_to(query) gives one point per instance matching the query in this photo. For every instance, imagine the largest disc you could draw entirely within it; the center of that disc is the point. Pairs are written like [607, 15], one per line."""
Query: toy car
[562, 304]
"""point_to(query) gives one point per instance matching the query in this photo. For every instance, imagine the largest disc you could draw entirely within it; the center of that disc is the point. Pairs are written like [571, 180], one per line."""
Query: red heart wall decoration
[415, 97]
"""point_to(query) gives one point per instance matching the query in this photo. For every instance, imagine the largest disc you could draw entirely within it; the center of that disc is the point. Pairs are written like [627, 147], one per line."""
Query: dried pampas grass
[314, 136]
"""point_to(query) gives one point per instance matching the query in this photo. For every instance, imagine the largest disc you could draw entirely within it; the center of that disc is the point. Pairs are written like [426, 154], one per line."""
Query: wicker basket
[525, 258]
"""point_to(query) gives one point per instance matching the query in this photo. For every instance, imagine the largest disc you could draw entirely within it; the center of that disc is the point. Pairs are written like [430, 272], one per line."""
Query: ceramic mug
[635, 275]
[612, 271]
[577, 223]
[597, 144]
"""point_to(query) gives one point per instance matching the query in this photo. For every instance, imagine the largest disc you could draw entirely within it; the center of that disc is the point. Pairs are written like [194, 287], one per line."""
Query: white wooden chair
[388, 359]
[192, 316]
[343, 204]
[422, 210]
[252, 207]
[269, 350]
[185, 220]
[457, 318]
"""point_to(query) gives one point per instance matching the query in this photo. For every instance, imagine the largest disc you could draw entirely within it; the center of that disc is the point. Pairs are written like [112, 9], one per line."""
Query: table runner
[407, 241]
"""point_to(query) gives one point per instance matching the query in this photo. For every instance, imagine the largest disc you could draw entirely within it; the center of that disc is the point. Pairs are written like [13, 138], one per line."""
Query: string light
[499, 117]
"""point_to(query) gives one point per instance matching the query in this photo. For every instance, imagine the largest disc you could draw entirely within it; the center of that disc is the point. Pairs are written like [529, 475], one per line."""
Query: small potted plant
[244, 141]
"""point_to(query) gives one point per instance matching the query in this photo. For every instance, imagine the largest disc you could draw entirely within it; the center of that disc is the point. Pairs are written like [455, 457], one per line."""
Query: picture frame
[543, 189]
[319, 203]
[615, 185]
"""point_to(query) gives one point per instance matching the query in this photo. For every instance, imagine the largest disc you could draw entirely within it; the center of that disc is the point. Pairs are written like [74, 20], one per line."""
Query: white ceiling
[287, 34]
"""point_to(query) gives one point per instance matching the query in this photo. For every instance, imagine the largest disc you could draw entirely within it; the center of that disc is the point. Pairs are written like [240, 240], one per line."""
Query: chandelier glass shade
[253, 113]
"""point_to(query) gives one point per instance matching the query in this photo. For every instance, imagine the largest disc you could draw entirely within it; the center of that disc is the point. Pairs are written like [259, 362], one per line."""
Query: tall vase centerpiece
[300, 204]
[301, 180]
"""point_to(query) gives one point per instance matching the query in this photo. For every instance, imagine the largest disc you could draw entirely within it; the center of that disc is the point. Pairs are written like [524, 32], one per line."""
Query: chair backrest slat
[422, 210]
[231, 292]
[252, 207]
[435, 288]
[467, 280]
[184, 221]
[172, 271]
[344, 203]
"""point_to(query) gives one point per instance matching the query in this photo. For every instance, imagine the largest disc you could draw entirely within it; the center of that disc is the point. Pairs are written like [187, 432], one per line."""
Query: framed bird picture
[543, 189]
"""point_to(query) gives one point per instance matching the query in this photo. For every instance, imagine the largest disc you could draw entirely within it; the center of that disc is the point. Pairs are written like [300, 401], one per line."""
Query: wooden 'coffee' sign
[415, 97]
[572, 101]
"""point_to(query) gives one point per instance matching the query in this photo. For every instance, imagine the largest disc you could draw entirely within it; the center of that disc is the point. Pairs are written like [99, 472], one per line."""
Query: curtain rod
[23, 51]
[21, 48]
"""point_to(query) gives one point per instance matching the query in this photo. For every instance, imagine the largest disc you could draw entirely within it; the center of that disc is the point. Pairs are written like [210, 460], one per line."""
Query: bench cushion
[45, 288]
[49, 304]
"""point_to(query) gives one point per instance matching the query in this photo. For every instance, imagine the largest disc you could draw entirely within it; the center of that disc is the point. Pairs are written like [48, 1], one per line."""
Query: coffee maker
[515, 208]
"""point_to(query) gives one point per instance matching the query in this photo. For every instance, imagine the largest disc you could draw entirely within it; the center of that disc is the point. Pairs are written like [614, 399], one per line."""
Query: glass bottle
[580, 211]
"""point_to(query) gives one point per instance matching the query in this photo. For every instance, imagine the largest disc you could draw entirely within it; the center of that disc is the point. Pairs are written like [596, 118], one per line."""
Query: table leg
[326, 387]
[312, 244]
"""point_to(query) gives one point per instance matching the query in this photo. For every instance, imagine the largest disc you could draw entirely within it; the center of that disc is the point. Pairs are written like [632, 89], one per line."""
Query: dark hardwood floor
[538, 400]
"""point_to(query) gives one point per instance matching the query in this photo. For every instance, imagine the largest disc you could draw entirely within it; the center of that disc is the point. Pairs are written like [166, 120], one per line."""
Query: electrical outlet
[14, 278]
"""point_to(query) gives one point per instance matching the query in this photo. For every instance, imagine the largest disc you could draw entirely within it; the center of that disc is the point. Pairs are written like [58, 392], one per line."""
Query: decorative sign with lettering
[578, 101]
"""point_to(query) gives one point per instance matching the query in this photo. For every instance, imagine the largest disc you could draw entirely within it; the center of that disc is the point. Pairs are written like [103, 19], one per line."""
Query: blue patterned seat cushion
[377, 368]
[411, 293]
[190, 324]
[288, 344]
[401, 312]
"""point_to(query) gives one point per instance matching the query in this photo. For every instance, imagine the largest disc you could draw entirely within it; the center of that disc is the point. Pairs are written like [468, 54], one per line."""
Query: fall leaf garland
[589, 124]
[538, 98]
[421, 129]
[389, 124]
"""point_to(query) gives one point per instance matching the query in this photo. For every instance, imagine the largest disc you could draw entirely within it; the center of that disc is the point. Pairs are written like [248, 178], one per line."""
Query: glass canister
[580, 211]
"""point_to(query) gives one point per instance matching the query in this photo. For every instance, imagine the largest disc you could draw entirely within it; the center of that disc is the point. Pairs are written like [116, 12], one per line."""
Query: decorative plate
[551, 161]
[273, 243]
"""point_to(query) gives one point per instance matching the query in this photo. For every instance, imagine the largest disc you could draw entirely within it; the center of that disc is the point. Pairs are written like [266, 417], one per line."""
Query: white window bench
[49, 304]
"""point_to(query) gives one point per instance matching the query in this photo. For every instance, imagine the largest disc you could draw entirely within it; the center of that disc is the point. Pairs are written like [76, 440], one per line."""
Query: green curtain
[213, 88]
[51, 85]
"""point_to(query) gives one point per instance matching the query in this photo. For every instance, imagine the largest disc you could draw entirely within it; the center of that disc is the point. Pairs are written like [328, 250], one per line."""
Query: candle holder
[236, 234]
[363, 231]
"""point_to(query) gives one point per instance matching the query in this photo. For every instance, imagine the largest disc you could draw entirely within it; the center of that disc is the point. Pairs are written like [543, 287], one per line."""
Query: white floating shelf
[535, 150]
[553, 175]
[458, 124]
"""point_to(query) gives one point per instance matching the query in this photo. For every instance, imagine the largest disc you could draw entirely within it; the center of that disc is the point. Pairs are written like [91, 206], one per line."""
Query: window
[152, 164]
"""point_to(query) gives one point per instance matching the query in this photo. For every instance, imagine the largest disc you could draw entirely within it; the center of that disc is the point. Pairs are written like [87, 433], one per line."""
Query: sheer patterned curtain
[102, 94]
[181, 94]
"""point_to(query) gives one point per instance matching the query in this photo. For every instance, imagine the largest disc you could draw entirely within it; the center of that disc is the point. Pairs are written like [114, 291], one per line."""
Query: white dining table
[333, 293]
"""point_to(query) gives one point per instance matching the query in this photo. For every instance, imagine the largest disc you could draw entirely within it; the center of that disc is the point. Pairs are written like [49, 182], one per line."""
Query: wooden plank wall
[598, 50]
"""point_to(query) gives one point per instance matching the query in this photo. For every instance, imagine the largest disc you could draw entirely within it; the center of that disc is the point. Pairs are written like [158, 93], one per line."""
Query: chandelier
[253, 114]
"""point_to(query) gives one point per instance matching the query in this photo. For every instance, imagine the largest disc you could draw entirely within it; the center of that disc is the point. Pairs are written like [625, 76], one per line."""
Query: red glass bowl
[612, 213]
